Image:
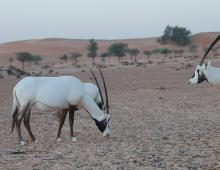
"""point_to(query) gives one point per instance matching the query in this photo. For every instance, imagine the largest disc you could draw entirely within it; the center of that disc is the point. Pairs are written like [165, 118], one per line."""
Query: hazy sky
[103, 19]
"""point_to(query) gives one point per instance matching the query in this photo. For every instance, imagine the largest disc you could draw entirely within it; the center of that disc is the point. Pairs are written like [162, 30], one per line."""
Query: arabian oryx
[49, 94]
[94, 91]
[206, 71]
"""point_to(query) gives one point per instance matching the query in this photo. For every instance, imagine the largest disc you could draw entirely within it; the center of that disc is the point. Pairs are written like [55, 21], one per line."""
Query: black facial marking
[193, 75]
[201, 77]
[100, 106]
[101, 124]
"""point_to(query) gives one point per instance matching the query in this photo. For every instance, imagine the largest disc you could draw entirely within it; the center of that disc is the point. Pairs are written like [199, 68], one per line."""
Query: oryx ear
[209, 63]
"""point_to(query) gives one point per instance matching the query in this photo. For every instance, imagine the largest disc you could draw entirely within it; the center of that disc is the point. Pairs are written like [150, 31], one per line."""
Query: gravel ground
[157, 122]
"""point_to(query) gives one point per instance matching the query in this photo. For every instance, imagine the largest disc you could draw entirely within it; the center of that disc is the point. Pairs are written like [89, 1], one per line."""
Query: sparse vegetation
[104, 55]
[36, 59]
[64, 58]
[148, 54]
[74, 58]
[133, 52]
[178, 35]
[24, 57]
[118, 49]
[92, 50]
[165, 52]
[11, 60]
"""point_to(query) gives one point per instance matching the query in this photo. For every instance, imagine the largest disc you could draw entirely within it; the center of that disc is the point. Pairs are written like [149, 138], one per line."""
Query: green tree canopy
[178, 35]
[24, 57]
[165, 51]
[147, 53]
[74, 57]
[92, 49]
[104, 55]
[36, 58]
[118, 49]
[133, 52]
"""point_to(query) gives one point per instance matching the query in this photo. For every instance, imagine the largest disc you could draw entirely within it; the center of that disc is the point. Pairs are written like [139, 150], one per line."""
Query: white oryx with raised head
[49, 94]
[206, 71]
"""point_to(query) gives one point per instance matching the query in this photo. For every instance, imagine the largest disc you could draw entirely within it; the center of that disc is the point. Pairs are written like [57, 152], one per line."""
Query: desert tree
[148, 54]
[11, 60]
[36, 59]
[165, 52]
[156, 51]
[23, 57]
[92, 50]
[178, 35]
[104, 55]
[193, 49]
[133, 52]
[178, 52]
[74, 58]
[118, 49]
[64, 58]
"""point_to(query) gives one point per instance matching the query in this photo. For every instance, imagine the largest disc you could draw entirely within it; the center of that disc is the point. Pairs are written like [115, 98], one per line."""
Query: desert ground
[157, 122]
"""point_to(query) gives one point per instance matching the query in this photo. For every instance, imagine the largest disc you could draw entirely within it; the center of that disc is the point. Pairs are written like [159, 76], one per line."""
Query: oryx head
[103, 125]
[199, 75]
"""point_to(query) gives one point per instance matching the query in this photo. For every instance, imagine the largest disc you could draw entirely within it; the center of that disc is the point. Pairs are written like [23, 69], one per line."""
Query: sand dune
[52, 48]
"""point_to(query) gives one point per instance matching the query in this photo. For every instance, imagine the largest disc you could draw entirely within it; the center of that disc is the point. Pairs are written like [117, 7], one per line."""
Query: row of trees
[120, 50]
[163, 51]
[117, 49]
[73, 57]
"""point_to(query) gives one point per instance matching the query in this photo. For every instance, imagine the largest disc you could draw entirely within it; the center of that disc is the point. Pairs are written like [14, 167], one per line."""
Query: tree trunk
[76, 60]
[131, 58]
[23, 65]
[135, 59]
[93, 60]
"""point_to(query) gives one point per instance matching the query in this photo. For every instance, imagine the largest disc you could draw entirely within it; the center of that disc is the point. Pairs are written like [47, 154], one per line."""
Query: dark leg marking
[18, 120]
[62, 119]
[72, 110]
[27, 125]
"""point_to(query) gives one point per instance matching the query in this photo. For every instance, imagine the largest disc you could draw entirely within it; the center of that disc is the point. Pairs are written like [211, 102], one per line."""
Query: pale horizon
[104, 20]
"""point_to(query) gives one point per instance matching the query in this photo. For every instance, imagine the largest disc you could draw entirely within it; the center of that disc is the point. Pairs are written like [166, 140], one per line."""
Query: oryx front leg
[62, 117]
[72, 110]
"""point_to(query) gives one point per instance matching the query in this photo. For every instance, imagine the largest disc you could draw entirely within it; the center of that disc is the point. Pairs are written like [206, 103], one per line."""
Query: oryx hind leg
[21, 114]
[27, 125]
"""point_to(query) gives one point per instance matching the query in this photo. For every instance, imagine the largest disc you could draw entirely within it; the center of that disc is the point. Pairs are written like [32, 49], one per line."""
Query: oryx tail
[14, 110]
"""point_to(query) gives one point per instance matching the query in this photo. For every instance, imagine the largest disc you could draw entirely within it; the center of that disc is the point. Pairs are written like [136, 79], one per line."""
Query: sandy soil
[157, 122]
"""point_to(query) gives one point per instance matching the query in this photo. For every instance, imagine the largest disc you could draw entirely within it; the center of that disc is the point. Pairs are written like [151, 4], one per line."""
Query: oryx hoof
[59, 140]
[35, 141]
[74, 139]
[22, 142]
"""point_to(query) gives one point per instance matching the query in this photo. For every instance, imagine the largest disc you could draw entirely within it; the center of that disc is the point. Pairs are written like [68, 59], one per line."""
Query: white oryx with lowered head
[49, 94]
[206, 71]
[94, 91]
